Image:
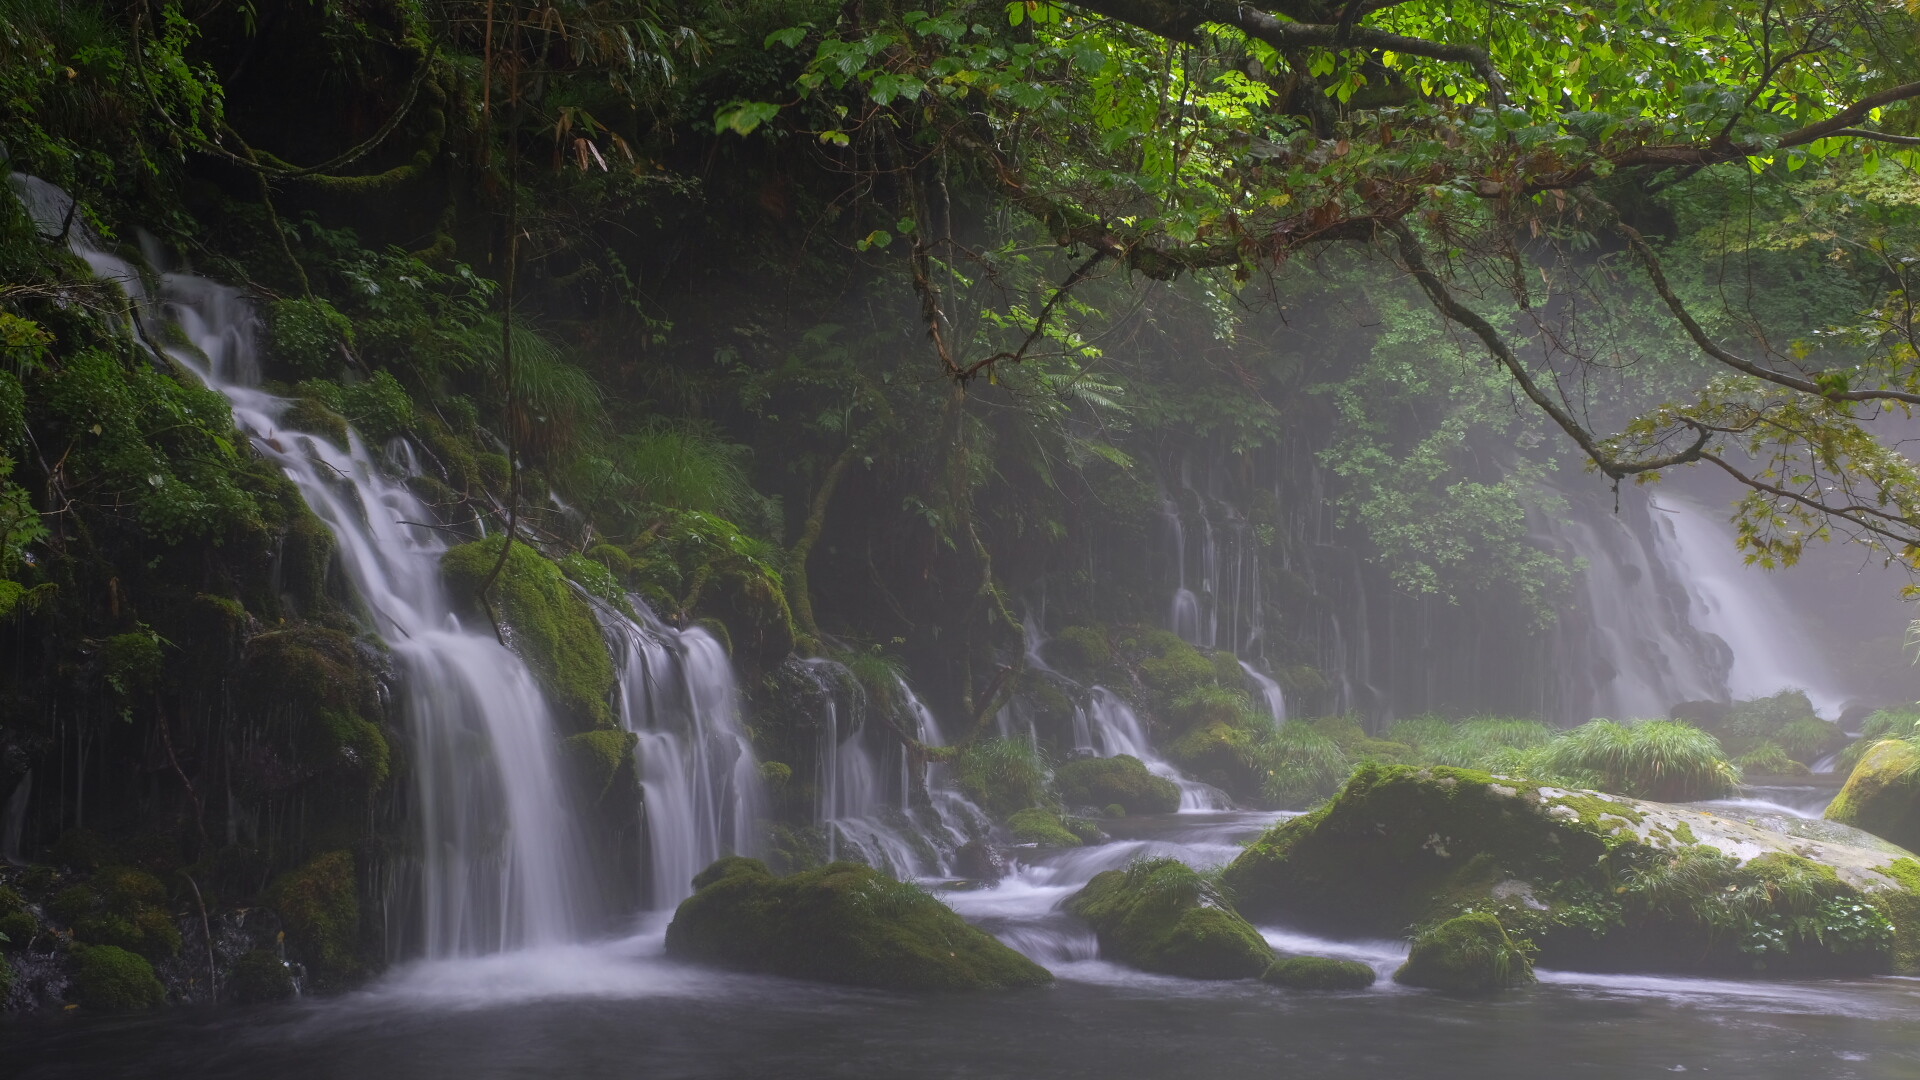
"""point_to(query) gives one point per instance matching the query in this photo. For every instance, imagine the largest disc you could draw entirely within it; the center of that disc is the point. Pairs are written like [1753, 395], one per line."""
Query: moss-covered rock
[112, 979]
[1468, 954]
[1598, 882]
[1318, 973]
[601, 760]
[1122, 780]
[1035, 825]
[1882, 794]
[1159, 915]
[544, 620]
[17, 921]
[259, 977]
[842, 923]
[319, 903]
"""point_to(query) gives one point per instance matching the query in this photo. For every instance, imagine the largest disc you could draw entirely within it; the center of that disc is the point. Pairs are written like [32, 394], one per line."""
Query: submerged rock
[842, 923]
[1596, 882]
[1882, 795]
[1318, 973]
[1161, 916]
[1467, 954]
[1123, 781]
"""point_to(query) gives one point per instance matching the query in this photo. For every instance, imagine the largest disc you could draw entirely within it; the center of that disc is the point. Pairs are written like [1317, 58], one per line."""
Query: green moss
[601, 759]
[1212, 706]
[319, 905]
[305, 338]
[17, 922]
[111, 979]
[1470, 954]
[357, 743]
[1159, 915]
[1901, 906]
[1882, 794]
[1037, 826]
[544, 621]
[1318, 973]
[1082, 647]
[598, 581]
[617, 562]
[260, 977]
[1122, 780]
[1003, 775]
[82, 849]
[1174, 667]
[842, 923]
[312, 416]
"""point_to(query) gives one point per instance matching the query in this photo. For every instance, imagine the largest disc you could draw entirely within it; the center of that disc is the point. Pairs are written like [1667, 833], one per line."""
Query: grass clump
[1653, 759]
[1004, 776]
[1301, 764]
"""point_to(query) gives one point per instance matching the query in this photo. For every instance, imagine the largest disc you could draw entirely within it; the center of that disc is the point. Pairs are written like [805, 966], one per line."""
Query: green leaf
[743, 117]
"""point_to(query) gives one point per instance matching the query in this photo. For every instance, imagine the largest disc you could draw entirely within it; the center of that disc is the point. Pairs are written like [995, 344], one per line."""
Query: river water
[621, 1009]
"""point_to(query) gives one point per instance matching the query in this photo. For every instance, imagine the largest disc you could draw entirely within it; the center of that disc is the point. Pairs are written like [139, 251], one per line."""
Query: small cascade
[1743, 607]
[1117, 730]
[1217, 601]
[499, 863]
[876, 804]
[699, 779]
[1271, 698]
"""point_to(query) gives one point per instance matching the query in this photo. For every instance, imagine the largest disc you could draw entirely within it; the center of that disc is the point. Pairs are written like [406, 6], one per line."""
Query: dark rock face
[842, 923]
[980, 861]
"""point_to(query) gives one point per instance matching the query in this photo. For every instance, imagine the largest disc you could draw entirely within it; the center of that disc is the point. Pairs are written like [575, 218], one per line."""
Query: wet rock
[842, 923]
[1596, 882]
[1882, 795]
[1470, 954]
[1036, 826]
[1162, 916]
[977, 860]
[1122, 780]
[1318, 973]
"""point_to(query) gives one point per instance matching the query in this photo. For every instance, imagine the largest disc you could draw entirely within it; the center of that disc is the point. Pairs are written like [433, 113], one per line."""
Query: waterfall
[1271, 698]
[700, 784]
[1743, 607]
[874, 805]
[499, 864]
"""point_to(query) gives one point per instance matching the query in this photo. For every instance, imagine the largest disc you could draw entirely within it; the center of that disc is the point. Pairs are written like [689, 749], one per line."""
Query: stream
[621, 1008]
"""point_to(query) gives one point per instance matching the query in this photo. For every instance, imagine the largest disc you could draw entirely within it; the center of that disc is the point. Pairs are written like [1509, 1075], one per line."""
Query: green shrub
[304, 338]
[1770, 759]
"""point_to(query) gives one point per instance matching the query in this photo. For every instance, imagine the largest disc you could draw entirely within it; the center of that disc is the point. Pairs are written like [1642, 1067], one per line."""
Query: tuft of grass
[1301, 763]
[1002, 775]
[1651, 759]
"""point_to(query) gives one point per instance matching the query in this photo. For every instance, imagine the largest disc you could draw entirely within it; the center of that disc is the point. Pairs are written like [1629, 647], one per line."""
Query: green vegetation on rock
[1160, 915]
[111, 979]
[1652, 759]
[544, 620]
[1122, 780]
[319, 903]
[842, 923]
[260, 977]
[1882, 794]
[1036, 825]
[1318, 973]
[1468, 954]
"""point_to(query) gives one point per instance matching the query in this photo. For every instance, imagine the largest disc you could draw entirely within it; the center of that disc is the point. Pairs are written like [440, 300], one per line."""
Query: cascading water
[699, 780]
[500, 864]
[1742, 607]
[873, 805]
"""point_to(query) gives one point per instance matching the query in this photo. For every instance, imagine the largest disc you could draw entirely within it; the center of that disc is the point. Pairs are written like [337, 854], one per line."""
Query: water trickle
[499, 864]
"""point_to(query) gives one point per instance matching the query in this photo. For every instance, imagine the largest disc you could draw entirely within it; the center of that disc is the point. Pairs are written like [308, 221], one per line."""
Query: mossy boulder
[1597, 882]
[260, 977]
[319, 904]
[602, 761]
[1160, 915]
[1467, 954]
[1122, 781]
[111, 979]
[1080, 648]
[1318, 973]
[544, 620]
[842, 923]
[1882, 794]
[1044, 827]
[17, 920]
